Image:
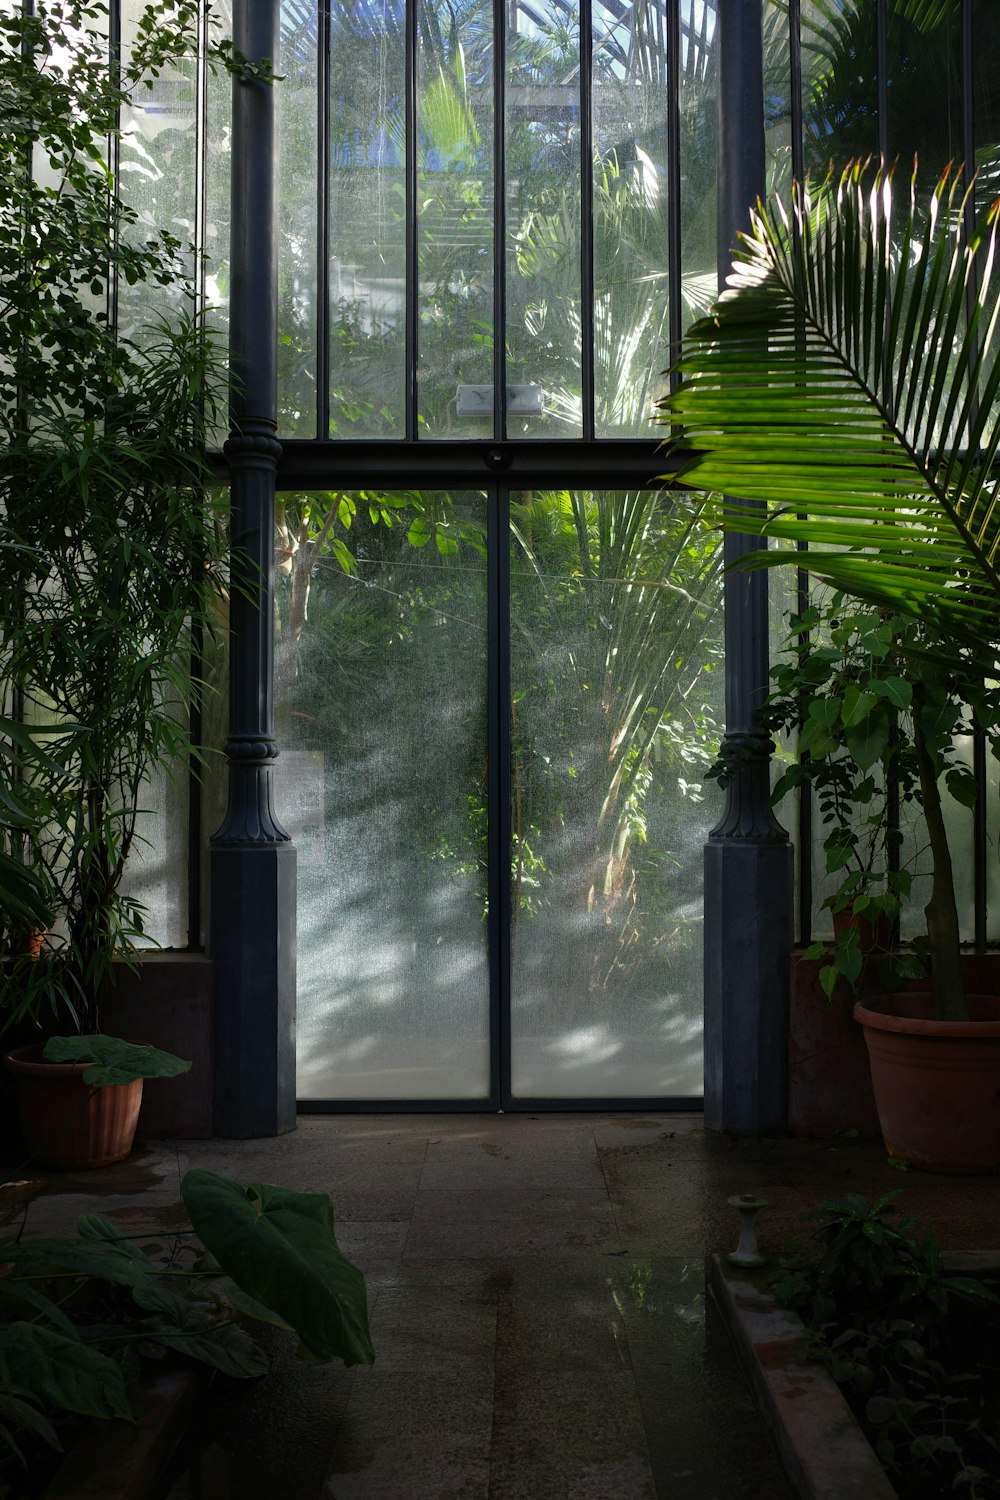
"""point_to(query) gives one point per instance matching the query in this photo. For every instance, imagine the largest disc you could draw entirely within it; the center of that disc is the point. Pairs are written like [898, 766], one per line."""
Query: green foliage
[896, 1330]
[115, 1062]
[279, 1248]
[847, 388]
[114, 553]
[77, 1314]
[847, 392]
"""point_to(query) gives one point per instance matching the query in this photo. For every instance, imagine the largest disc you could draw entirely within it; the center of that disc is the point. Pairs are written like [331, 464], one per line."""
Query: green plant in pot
[113, 549]
[837, 698]
[845, 388]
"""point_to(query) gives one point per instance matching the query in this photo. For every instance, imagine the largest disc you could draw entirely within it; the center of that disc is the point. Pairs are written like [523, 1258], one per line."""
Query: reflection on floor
[537, 1301]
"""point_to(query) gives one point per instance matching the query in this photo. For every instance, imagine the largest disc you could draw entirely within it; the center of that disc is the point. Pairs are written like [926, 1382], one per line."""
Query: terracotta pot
[937, 1083]
[67, 1124]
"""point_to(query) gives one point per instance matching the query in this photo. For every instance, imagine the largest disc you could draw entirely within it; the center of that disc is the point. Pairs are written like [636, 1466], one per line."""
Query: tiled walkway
[537, 1301]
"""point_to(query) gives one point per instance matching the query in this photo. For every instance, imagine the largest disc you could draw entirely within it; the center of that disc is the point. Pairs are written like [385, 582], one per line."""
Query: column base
[253, 892]
[748, 931]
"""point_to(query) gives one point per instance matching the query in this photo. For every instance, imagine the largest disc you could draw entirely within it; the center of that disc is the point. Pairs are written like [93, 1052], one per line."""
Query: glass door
[497, 637]
[494, 709]
[381, 683]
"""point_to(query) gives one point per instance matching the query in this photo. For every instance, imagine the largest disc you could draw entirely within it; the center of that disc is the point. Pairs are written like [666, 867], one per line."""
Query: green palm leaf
[846, 389]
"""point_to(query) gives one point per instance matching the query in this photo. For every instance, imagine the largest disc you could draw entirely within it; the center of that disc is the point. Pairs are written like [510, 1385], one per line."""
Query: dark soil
[955, 1428]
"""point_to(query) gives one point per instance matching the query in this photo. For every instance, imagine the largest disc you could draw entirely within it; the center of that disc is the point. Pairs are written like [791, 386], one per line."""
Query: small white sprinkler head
[747, 1252]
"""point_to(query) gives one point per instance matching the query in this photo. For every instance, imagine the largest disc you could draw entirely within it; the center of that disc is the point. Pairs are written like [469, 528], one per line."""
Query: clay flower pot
[937, 1083]
[67, 1123]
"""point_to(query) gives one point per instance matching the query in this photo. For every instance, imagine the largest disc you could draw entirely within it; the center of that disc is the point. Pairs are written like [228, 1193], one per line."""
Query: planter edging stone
[824, 1453]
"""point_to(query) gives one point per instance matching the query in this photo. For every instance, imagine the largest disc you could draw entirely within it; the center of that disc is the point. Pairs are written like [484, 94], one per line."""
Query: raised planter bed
[825, 1454]
[117, 1461]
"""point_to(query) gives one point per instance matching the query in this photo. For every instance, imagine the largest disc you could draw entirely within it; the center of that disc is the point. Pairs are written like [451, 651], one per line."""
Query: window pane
[777, 97]
[455, 220]
[381, 684]
[367, 221]
[616, 706]
[543, 220]
[699, 170]
[157, 177]
[924, 88]
[296, 196]
[839, 89]
[218, 162]
[631, 150]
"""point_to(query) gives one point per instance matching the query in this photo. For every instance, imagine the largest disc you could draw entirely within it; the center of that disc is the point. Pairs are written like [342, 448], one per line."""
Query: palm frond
[845, 388]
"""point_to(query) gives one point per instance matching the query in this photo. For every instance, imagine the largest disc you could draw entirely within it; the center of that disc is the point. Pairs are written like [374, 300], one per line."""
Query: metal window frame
[492, 466]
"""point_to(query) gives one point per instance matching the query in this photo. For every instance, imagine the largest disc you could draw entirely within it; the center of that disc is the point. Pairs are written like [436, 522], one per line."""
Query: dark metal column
[748, 859]
[252, 926]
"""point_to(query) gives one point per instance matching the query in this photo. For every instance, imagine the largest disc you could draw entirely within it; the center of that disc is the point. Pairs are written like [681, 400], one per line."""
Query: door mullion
[498, 793]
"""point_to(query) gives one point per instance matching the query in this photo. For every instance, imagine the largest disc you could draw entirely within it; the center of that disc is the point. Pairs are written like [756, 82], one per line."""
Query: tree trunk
[941, 911]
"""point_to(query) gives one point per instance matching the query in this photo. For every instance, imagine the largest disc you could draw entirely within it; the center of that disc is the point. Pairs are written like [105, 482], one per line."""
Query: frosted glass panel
[381, 701]
[616, 706]
[156, 873]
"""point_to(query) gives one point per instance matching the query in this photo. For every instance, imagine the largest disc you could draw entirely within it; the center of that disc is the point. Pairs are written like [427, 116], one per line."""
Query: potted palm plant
[113, 547]
[845, 388]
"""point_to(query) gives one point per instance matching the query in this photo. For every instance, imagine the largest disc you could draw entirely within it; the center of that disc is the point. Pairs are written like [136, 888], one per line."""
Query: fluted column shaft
[748, 858]
[252, 931]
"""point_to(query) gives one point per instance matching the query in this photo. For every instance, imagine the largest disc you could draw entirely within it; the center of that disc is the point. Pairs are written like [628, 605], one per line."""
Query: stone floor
[537, 1302]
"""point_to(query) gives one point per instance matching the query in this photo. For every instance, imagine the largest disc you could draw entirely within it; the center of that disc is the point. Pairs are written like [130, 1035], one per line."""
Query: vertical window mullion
[795, 88]
[587, 217]
[323, 225]
[499, 789]
[805, 808]
[114, 155]
[980, 855]
[674, 260]
[500, 219]
[882, 80]
[412, 166]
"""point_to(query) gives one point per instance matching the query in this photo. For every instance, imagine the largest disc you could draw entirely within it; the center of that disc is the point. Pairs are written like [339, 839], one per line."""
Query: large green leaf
[21, 1296]
[115, 1061]
[24, 1417]
[846, 388]
[279, 1247]
[189, 1328]
[63, 1372]
[106, 1262]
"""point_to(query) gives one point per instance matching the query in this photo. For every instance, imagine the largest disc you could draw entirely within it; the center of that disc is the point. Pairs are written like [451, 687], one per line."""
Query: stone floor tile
[568, 1325]
[489, 1164]
[404, 1438]
[567, 1435]
[524, 1205]
[478, 1239]
[371, 1244]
